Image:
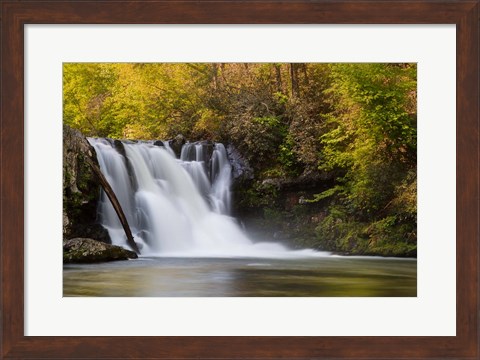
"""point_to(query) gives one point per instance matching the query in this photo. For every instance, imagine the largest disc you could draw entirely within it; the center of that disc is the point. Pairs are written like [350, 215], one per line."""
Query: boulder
[84, 250]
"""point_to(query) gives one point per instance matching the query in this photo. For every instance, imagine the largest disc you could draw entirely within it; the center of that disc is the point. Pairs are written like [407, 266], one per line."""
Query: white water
[176, 207]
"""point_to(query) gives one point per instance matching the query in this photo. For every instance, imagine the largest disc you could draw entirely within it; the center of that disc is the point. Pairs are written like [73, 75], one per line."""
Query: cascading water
[175, 207]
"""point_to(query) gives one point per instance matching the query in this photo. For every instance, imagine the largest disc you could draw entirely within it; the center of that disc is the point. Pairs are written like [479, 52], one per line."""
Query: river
[334, 276]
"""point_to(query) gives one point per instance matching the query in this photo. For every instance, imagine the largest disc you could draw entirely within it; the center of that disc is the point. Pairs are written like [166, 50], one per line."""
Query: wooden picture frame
[15, 14]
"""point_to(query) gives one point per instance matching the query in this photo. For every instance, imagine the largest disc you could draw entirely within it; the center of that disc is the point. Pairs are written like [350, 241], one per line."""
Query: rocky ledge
[83, 250]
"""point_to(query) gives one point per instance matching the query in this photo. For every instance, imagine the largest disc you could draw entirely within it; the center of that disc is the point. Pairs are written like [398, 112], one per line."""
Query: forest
[350, 129]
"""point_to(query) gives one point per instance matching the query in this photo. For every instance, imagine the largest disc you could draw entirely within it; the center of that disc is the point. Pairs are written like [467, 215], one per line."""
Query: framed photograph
[287, 91]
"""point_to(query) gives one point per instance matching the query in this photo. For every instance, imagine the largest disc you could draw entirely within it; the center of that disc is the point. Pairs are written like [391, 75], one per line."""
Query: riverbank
[281, 210]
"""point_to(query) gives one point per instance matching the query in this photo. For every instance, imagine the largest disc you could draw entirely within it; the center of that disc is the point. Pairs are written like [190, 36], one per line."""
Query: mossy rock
[81, 188]
[83, 250]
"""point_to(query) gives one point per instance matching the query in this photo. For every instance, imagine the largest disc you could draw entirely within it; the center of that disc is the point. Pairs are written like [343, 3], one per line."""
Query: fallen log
[115, 203]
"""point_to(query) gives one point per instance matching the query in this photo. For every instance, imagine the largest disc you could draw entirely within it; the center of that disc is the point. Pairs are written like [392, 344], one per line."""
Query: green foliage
[260, 194]
[287, 156]
[385, 237]
[281, 98]
[326, 194]
[256, 137]
[370, 137]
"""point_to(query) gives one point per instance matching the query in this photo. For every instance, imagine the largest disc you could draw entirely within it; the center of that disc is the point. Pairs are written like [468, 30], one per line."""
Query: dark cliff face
[277, 208]
[81, 189]
[241, 169]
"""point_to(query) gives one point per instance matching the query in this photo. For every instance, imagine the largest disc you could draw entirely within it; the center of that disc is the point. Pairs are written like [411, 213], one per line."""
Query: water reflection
[181, 277]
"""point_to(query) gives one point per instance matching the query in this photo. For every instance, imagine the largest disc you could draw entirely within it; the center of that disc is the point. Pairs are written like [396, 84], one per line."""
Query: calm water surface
[201, 277]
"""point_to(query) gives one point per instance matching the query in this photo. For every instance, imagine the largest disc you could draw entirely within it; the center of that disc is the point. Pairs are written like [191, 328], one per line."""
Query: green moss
[258, 195]
[385, 237]
[273, 215]
[90, 251]
[75, 203]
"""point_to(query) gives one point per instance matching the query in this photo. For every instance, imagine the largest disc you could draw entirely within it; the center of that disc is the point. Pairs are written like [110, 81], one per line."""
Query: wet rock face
[93, 231]
[81, 189]
[241, 170]
[84, 250]
[177, 143]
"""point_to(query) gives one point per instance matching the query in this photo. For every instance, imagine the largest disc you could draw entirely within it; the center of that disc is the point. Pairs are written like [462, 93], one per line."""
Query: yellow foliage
[208, 124]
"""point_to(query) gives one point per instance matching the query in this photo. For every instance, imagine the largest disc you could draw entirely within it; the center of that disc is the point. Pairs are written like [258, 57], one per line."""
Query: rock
[119, 147]
[271, 183]
[81, 188]
[177, 143]
[158, 143]
[208, 147]
[281, 235]
[84, 250]
[91, 231]
[241, 169]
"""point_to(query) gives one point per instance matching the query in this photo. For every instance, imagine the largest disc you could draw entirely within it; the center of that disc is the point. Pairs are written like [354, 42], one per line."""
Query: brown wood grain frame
[16, 14]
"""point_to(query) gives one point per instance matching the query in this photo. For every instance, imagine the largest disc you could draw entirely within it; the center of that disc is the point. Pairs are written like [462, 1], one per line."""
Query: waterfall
[175, 207]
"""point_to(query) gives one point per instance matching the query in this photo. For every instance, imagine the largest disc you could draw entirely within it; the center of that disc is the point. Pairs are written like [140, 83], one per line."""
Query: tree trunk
[305, 75]
[215, 75]
[115, 203]
[294, 78]
[278, 76]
